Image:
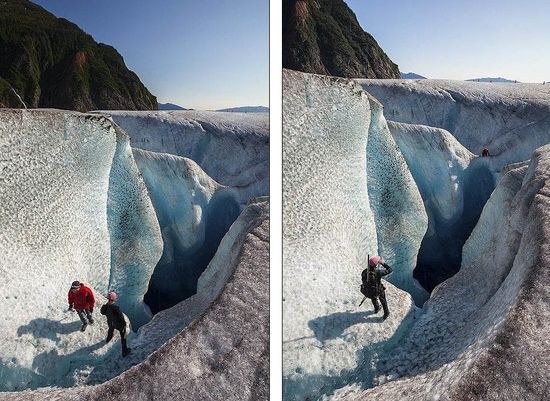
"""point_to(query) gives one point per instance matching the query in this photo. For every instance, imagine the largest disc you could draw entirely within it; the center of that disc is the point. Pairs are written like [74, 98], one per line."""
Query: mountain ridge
[324, 37]
[51, 62]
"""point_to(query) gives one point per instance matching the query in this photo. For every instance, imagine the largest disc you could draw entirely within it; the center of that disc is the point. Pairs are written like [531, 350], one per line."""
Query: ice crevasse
[78, 199]
[73, 207]
[511, 120]
[232, 148]
[352, 196]
[483, 333]
[194, 213]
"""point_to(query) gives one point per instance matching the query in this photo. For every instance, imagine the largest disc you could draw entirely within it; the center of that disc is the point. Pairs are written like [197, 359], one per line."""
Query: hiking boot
[84, 325]
[386, 315]
[126, 352]
[91, 320]
[376, 310]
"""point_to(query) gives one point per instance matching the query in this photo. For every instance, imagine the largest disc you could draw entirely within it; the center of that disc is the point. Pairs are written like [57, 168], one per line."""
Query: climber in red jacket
[81, 299]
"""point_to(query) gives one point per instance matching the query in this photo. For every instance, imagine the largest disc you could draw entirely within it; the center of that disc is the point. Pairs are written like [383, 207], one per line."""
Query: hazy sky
[462, 39]
[202, 54]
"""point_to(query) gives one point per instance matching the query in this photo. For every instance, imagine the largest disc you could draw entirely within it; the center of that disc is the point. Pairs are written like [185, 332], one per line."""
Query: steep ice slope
[399, 213]
[329, 228]
[66, 215]
[223, 354]
[484, 333]
[232, 148]
[136, 243]
[454, 185]
[194, 213]
[511, 120]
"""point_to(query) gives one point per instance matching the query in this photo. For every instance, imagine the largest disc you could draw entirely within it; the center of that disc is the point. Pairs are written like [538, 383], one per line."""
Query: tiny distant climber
[81, 299]
[372, 286]
[115, 320]
[485, 152]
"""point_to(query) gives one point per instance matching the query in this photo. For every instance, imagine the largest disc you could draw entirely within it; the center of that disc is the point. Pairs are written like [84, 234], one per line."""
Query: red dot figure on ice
[485, 152]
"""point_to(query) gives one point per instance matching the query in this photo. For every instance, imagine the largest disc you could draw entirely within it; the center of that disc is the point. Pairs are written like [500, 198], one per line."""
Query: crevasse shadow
[317, 386]
[333, 326]
[59, 370]
[50, 329]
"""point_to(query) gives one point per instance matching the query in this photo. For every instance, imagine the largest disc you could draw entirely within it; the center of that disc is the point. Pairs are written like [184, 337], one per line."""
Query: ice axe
[368, 258]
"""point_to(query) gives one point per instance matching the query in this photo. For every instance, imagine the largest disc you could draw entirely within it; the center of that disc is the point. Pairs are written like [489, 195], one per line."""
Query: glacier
[232, 148]
[206, 342]
[483, 332]
[59, 172]
[510, 120]
[330, 226]
[78, 202]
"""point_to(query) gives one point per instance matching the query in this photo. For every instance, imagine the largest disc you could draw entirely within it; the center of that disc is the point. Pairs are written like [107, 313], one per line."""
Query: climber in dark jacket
[115, 320]
[372, 284]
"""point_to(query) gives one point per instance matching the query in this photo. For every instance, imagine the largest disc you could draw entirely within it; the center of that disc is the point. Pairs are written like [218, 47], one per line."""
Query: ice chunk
[329, 228]
[399, 213]
[136, 245]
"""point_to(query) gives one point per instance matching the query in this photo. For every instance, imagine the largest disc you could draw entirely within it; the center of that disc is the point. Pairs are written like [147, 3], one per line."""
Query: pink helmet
[111, 296]
[374, 260]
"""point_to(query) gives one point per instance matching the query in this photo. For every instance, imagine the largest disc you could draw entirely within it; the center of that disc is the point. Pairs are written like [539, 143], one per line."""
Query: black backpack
[369, 288]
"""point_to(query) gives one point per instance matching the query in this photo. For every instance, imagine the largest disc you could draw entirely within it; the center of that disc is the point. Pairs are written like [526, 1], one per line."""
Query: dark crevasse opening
[440, 254]
[172, 283]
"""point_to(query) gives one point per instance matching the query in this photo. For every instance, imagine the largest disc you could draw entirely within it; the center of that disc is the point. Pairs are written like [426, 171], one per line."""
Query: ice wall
[329, 228]
[399, 213]
[512, 120]
[58, 179]
[454, 185]
[232, 148]
[136, 244]
[194, 213]
[222, 355]
[482, 335]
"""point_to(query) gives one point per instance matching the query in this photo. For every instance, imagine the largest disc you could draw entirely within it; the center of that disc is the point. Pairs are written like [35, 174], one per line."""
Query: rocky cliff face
[324, 37]
[49, 62]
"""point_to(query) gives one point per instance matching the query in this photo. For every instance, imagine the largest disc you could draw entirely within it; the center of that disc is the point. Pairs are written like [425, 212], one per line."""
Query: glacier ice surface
[482, 335]
[232, 148]
[511, 120]
[222, 355]
[330, 226]
[59, 175]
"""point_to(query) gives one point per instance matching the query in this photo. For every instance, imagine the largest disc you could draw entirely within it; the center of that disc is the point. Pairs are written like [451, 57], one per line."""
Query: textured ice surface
[222, 355]
[396, 203]
[232, 148]
[512, 120]
[194, 213]
[484, 333]
[329, 228]
[134, 231]
[59, 174]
